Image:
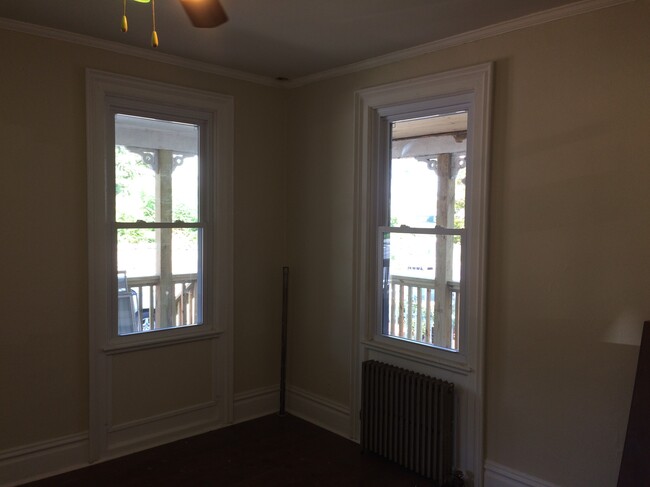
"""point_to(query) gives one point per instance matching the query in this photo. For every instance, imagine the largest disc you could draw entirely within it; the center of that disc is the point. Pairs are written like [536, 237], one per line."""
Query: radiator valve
[455, 480]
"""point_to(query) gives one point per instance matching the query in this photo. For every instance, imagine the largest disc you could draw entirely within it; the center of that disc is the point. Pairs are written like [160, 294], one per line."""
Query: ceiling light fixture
[202, 13]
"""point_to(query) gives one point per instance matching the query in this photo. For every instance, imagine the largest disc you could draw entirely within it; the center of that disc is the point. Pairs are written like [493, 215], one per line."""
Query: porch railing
[148, 291]
[412, 311]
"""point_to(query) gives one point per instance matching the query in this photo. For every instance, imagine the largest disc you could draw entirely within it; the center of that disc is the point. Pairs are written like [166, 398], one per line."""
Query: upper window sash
[180, 117]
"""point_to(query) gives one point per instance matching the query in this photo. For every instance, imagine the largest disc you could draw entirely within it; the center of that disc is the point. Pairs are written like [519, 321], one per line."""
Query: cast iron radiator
[407, 418]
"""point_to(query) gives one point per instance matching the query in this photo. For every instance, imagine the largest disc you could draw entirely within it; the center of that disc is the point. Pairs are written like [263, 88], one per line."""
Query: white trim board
[497, 475]
[138, 52]
[178, 425]
[557, 13]
[323, 412]
[468, 89]
[43, 459]
[47, 458]
[531, 20]
[256, 403]
[52, 457]
[106, 94]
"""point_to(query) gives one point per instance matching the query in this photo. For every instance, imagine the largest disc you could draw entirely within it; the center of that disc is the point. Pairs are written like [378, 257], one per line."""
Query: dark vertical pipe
[283, 353]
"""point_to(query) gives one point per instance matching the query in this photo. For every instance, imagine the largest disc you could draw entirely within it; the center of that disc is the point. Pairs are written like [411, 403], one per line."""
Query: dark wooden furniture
[635, 465]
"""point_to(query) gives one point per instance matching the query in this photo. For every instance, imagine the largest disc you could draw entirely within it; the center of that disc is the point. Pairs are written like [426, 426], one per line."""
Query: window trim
[466, 89]
[218, 319]
[108, 94]
[470, 87]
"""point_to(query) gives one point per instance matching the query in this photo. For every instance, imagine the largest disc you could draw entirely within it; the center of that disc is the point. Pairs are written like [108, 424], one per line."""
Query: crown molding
[557, 13]
[505, 27]
[139, 52]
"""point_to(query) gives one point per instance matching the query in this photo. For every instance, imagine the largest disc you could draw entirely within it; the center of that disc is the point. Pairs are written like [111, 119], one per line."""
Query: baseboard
[320, 411]
[124, 439]
[52, 457]
[67, 453]
[256, 403]
[497, 475]
[42, 459]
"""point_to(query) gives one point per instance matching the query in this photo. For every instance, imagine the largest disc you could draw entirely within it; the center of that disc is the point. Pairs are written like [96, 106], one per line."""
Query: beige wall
[568, 236]
[567, 283]
[43, 329]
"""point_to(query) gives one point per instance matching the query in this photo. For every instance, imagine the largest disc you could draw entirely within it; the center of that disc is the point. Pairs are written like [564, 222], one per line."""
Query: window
[160, 206]
[423, 228]
[160, 260]
[421, 181]
[421, 214]
[159, 223]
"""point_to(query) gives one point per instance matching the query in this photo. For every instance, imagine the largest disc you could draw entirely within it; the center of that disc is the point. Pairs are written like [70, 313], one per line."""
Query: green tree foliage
[136, 200]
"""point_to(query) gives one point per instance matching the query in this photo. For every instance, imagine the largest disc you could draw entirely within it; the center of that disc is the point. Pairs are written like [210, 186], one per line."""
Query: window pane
[427, 173]
[159, 278]
[185, 250]
[136, 251]
[156, 170]
[421, 288]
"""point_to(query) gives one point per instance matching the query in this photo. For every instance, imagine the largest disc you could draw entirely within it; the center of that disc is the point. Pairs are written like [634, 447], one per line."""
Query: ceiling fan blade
[205, 13]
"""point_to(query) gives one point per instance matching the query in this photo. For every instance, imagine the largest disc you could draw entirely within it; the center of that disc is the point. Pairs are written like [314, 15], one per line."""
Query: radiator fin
[407, 418]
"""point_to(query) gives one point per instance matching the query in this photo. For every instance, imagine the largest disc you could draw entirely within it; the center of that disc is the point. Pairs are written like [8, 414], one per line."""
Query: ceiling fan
[202, 13]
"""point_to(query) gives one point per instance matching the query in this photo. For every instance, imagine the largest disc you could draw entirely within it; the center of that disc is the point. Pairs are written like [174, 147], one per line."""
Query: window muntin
[422, 234]
[158, 223]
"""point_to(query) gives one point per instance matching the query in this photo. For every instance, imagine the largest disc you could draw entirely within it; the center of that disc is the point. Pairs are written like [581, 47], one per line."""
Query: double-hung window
[422, 227]
[421, 236]
[422, 151]
[160, 218]
[160, 259]
[160, 210]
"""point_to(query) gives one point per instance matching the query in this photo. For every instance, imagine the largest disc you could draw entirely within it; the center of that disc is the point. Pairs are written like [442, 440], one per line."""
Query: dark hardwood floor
[269, 451]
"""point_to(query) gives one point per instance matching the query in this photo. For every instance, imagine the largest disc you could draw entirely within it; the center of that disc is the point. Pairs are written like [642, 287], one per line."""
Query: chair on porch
[127, 306]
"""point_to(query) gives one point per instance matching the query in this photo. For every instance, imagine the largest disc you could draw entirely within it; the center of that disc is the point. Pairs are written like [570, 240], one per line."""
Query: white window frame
[204, 224]
[107, 94]
[464, 89]
[388, 115]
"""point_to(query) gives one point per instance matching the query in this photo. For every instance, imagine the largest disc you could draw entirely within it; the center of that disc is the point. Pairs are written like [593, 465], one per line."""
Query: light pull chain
[154, 35]
[125, 22]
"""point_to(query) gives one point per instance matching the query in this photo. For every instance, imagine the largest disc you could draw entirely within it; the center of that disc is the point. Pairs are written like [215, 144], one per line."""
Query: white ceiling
[279, 38]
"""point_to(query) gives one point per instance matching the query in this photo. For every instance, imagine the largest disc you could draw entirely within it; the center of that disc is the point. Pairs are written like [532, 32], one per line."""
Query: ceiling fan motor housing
[205, 13]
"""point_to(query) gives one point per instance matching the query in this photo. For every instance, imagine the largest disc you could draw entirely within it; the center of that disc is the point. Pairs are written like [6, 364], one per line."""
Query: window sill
[120, 345]
[431, 357]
